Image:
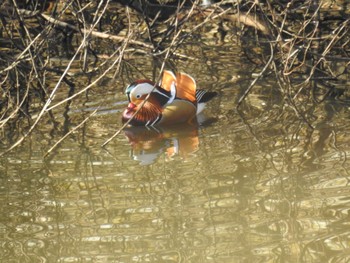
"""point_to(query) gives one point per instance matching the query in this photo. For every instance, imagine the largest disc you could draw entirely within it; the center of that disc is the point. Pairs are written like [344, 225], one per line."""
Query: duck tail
[203, 96]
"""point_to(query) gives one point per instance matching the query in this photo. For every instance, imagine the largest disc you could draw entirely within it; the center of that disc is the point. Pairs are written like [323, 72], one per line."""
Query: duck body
[174, 100]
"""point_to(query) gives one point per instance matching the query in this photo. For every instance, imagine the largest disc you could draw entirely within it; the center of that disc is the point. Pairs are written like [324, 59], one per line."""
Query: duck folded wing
[168, 81]
[186, 87]
[177, 112]
[181, 86]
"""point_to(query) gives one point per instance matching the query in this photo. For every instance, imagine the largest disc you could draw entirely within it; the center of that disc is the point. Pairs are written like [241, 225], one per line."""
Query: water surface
[254, 185]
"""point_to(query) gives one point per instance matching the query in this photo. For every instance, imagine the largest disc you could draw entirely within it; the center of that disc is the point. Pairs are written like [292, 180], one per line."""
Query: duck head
[146, 100]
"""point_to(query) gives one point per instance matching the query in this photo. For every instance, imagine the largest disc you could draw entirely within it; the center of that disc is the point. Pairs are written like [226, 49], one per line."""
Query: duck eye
[138, 96]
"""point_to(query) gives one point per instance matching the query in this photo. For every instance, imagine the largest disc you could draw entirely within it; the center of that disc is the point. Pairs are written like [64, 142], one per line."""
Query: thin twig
[95, 33]
[112, 66]
[141, 105]
[70, 132]
[58, 84]
[259, 75]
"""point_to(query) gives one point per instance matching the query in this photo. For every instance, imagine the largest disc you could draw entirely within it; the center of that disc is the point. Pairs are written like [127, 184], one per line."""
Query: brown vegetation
[305, 44]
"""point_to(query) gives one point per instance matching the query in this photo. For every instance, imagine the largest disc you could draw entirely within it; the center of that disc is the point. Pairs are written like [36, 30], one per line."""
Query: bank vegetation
[305, 44]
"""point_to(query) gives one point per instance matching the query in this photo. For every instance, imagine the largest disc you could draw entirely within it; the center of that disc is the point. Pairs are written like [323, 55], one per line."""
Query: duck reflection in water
[150, 143]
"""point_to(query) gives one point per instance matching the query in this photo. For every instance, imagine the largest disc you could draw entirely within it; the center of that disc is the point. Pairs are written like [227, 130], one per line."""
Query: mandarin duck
[174, 100]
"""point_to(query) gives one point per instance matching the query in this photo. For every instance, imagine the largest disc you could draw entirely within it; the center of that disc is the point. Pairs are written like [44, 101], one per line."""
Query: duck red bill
[131, 106]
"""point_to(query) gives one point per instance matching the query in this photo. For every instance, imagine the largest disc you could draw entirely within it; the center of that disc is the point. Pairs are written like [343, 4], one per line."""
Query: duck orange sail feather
[184, 83]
